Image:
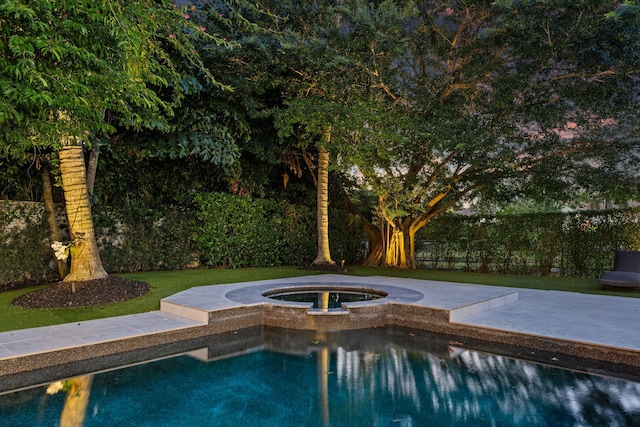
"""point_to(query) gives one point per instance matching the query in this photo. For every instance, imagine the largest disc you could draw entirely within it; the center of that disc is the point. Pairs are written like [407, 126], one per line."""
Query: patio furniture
[625, 273]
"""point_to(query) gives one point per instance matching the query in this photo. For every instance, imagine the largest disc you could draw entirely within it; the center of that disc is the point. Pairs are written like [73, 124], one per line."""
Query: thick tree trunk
[49, 209]
[401, 250]
[374, 257]
[395, 254]
[85, 259]
[395, 247]
[324, 255]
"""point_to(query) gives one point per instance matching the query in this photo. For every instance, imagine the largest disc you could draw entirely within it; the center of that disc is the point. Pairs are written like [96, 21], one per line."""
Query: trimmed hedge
[219, 230]
[24, 231]
[242, 231]
[222, 230]
[574, 244]
[137, 238]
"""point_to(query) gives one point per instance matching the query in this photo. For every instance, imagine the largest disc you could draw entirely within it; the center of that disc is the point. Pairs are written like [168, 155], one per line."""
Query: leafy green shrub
[242, 231]
[224, 230]
[220, 230]
[136, 238]
[24, 247]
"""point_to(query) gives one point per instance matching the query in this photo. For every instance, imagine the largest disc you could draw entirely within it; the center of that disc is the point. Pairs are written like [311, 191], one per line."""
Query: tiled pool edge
[29, 370]
[561, 352]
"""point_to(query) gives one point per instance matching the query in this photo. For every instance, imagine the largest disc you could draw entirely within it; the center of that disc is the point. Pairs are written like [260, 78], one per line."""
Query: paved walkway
[601, 320]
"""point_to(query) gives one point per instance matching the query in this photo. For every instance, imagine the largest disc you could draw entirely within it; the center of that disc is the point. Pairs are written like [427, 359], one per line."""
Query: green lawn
[166, 283]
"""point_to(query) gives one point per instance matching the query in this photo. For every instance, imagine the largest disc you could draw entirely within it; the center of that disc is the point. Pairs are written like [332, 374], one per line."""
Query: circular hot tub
[325, 297]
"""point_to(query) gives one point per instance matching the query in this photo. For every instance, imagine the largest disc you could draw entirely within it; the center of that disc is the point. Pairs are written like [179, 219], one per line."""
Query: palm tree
[86, 263]
[324, 255]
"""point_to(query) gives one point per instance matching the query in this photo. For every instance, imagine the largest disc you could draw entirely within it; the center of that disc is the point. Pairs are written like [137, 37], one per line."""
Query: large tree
[64, 64]
[473, 98]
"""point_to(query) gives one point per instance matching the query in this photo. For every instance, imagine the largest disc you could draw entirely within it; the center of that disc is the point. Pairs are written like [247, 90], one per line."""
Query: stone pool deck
[603, 327]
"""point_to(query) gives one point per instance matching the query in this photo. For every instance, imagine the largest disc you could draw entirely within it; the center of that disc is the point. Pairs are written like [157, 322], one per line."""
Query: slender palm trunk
[54, 231]
[85, 259]
[92, 168]
[324, 255]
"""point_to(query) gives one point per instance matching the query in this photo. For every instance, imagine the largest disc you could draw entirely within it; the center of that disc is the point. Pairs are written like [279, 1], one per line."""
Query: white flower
[61, 250]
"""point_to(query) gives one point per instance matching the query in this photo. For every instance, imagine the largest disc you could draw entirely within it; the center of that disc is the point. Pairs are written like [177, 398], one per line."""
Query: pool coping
[561, 323]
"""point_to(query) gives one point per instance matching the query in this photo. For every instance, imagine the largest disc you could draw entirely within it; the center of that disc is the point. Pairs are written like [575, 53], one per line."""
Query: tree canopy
[84, 58]
[436, 102]
[427, 103]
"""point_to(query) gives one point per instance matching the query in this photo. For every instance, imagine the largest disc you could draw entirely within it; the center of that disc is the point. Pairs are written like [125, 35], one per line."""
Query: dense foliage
[138, 238]
[240, 231]
[22, 231]
[218, 230]
[63, 64]
[437, 102]
[426, 104]
[213, 233]
[579, 244]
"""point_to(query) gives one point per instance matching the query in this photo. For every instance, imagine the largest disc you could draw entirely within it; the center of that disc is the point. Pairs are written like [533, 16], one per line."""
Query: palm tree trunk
[49, 209]
[85, 259]
[92, 168]
[324, 255]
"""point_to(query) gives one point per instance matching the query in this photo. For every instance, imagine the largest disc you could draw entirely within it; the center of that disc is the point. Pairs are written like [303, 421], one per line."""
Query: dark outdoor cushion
[620, 279]
[626, 271]
[627, 261]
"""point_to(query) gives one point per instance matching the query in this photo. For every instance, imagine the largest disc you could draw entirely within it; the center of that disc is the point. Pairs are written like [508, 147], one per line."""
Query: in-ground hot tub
[325, 297]
[344, 292]
[323, 306]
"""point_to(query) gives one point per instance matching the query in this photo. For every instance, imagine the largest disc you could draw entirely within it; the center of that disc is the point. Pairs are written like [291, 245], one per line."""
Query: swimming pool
[381, 377]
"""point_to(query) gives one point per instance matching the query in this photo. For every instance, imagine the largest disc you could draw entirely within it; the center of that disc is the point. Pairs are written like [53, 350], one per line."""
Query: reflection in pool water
[339, 385]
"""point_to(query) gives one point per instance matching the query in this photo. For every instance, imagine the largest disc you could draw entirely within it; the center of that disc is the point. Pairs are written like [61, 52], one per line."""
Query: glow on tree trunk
[324, 255]
[396, 255]
[85, 259]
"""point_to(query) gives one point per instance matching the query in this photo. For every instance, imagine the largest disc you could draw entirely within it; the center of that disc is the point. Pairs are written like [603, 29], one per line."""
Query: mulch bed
[88, 293]
[91, 293]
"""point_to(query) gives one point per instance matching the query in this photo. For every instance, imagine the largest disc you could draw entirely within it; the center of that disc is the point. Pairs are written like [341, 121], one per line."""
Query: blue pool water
[317, 385]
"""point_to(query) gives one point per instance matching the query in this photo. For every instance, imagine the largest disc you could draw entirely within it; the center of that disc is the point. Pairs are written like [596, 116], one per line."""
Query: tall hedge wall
[218, 230]
[24, 250]
[240, 231]
[573, 244]
[222, 230]
[137, 238]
